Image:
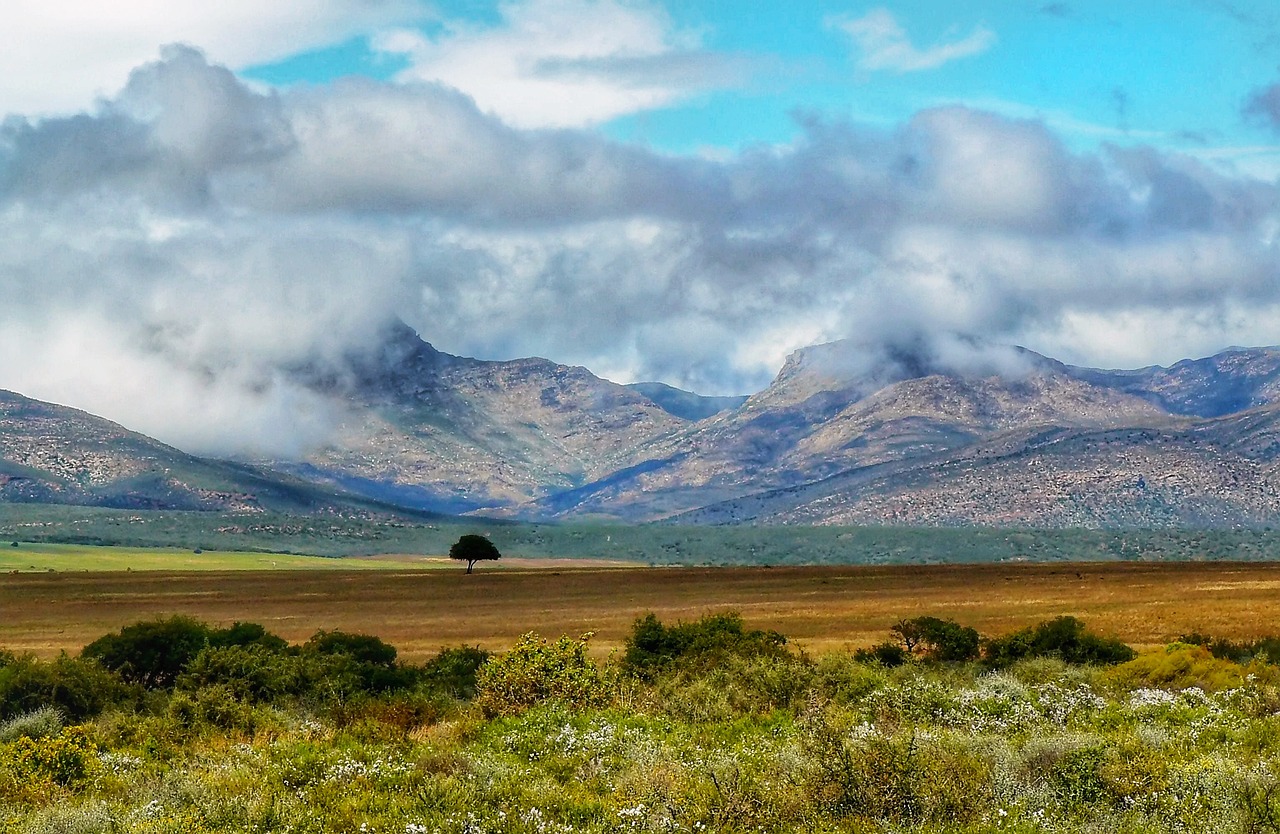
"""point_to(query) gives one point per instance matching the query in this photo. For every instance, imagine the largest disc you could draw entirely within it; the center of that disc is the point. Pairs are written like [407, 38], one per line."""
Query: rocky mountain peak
[858, 369]
[919, 430]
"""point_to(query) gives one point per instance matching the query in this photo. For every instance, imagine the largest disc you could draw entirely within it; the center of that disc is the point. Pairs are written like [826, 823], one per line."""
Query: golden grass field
[820, 608]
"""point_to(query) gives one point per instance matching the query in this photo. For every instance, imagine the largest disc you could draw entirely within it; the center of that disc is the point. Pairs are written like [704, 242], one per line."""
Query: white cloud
[193, 240]
[885, 45]
[57, 56]
[563, 63]
[1133, 338]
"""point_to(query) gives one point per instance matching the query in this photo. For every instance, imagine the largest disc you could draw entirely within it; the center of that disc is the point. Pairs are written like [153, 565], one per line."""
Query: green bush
[247, 634]
[846, 680]
[900, 778]
[1062, 637]
[152, 653]
[253, 672]
[453, 671]
[738, 686]
[65, 759]
[211, 706]
[1178, 666]
[371, 660]
[886, 654]
[653, 647]
[938, 639]
[536, 671]
[362, 648]
[77, 688]
[1266, 649]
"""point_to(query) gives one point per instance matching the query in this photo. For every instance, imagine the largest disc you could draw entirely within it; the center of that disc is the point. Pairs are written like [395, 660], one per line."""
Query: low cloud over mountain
[171, 257]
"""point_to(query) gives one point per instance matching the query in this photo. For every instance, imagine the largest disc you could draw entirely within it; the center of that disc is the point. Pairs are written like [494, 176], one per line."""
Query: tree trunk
[471, 563]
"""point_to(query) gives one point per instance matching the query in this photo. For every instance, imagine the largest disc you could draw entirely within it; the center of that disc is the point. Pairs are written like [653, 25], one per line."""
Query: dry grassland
[820, 608]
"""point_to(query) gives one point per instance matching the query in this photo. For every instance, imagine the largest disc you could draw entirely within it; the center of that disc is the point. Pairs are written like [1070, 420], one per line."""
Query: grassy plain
[74, 557]
[820, 608]
[655, 544]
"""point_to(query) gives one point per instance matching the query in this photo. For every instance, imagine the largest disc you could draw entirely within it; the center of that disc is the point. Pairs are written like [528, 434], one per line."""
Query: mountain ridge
[57, 454]
[952, 431]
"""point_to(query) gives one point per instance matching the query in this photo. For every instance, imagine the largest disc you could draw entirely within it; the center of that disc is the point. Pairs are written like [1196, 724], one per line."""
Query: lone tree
[472, 548]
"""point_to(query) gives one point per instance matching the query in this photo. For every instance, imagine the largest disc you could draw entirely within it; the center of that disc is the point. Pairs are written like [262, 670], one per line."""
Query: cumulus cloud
[427, 149]
[884, 45]
[172, 257]
[59, 57]
[565, 63]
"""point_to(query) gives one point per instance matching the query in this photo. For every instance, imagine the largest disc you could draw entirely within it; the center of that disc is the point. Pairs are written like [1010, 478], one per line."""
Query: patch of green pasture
[29, 557]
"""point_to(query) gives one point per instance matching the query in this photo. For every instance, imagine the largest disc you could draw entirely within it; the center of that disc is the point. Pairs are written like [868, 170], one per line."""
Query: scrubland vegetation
[711, 725]
[661, 544]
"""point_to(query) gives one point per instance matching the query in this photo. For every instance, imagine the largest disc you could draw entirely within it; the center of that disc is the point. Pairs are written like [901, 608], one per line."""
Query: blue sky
[197, 197]
[1171, 74]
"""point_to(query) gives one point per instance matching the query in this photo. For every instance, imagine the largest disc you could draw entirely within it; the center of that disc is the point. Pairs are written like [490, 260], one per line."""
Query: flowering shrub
[1179, 666]
[535, 671]
[555, 744]
[65, 759]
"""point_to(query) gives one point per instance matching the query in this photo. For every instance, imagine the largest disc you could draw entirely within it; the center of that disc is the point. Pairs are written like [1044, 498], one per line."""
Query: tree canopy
[472, 548]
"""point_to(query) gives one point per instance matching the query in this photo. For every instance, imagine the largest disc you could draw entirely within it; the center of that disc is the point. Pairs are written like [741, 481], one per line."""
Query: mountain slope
[1234, 380]
[958, 432]
[1216, 473]
[58, 455]
[437, 431]
[823, 414]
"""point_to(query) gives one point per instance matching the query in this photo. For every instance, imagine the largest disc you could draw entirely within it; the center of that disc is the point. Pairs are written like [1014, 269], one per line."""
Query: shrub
[363, 648]
[79, 689]
[371, 660]
[1062, 637]
[898, 778]
[937, 639]
[846, 680]
[738, 686]
[391, 717]
[1071, 765]
[65, 759]
[256, 674]
[1266, 649]
[653, 647]
[247, 634]
[535, 671]
[1178, 666]
[886, 654]
[453, 671]
[253, 672]
[216, 706]
[153, 653]
[40, 722]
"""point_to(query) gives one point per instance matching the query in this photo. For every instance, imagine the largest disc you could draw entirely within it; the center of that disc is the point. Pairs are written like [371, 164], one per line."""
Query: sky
[197, 199]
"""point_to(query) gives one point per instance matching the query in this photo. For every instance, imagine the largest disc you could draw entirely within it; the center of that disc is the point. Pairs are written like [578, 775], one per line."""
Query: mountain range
[951, 432]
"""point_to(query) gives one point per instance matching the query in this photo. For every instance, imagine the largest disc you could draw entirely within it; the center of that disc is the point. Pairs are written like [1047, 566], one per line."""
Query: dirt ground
[819, 608]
